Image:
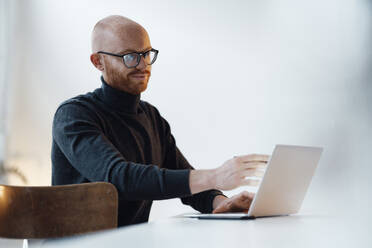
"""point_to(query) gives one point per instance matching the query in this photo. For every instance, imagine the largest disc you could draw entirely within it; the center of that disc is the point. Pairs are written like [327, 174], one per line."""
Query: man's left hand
[237, 203]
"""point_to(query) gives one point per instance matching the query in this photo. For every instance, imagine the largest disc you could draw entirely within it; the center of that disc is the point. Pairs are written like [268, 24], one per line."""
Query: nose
[142, 64]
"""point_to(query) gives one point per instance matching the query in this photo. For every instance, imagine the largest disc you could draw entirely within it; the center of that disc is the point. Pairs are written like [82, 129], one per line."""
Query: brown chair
[57, 211]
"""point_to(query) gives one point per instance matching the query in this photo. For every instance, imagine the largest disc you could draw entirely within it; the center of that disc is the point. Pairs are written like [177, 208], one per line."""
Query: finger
[243, 200]
[254, 161]
[258, 165]
[252, 173]
[250, 182]
[244, 204]
[248, 196]
[241, 203]
[221, 209]
[245, 193]
[237, 203]
[254, 157]
[255, 165]
[234, 206]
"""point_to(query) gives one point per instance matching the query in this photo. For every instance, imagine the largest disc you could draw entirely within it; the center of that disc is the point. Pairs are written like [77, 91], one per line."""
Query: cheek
[117, 69]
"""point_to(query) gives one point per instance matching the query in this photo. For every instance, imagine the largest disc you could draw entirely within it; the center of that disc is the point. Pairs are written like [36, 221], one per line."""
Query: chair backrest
[57, 211]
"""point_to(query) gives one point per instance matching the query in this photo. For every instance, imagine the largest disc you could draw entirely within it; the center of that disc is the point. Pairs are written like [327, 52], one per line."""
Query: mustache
[140, 72]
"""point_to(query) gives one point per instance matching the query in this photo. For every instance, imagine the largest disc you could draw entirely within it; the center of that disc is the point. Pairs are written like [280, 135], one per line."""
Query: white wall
[232, 77]
[4, 43]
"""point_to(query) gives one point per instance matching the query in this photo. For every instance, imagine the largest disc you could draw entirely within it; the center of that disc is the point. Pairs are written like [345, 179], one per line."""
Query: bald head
[120, 35]
[117, 32]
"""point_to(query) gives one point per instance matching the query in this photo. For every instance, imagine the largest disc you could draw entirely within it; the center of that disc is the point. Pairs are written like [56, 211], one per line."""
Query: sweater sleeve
[77, 132]
[203, 201]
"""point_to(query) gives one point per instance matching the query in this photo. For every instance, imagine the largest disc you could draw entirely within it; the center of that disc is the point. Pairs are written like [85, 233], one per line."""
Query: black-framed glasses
[133, 59]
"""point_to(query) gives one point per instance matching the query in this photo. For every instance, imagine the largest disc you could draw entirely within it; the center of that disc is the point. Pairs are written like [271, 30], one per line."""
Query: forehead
[129, 37]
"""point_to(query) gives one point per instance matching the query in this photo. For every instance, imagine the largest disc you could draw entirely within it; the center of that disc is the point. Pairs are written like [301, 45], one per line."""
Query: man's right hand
[233, 172]
[230, 175]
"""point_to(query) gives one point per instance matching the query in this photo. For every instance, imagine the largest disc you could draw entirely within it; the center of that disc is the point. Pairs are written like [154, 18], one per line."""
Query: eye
[131, 56]
[131, 59]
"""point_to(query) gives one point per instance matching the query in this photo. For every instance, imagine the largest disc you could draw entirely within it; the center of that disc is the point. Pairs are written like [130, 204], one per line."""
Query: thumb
[222, 208]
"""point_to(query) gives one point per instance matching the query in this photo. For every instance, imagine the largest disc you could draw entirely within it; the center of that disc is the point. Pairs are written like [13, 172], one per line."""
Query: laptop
[283, 186]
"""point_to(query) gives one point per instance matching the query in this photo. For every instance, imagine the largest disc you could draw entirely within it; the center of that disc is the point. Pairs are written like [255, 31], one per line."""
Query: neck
[118, 100]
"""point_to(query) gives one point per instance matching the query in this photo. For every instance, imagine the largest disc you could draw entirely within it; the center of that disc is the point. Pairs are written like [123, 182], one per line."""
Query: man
[111, 135]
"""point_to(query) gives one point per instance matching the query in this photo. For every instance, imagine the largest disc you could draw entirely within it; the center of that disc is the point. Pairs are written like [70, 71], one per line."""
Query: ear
[96, 60]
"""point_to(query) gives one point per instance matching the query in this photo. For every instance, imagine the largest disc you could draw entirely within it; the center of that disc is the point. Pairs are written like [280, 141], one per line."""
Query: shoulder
[81, 105]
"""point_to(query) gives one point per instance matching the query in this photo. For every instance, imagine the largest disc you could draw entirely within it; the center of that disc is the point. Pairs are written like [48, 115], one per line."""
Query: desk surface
[286, 231]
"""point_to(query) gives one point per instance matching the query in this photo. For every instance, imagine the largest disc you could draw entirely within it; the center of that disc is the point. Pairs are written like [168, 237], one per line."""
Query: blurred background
[232, 78]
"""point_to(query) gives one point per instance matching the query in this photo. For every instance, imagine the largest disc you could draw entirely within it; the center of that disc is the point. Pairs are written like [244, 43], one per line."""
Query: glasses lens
[131, 60]
[150, 57]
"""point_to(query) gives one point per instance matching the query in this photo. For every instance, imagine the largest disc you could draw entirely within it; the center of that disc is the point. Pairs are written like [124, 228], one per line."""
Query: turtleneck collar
[118, 100]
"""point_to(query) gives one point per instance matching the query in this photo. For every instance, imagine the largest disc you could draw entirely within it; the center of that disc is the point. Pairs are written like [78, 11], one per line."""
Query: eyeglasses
[133, 59]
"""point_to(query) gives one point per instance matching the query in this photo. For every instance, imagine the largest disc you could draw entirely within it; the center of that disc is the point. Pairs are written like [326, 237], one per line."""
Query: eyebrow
[132, 50]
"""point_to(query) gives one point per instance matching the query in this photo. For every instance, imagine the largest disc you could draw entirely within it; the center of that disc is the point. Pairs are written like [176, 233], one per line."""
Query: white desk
[289, 231]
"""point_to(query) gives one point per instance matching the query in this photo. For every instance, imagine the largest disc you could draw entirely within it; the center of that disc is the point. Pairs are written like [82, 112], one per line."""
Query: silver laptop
[283, 186]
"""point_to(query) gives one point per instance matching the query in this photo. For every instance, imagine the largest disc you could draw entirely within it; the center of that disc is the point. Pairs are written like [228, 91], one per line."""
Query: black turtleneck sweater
[113, 136]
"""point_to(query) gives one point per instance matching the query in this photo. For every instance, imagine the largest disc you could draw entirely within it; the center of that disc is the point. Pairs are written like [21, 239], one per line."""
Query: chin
[141, 87]
[144, 87]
